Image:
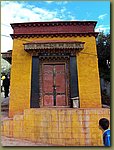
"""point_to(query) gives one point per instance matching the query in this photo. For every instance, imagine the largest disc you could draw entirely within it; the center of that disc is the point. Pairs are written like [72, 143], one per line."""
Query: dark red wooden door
[54, 85]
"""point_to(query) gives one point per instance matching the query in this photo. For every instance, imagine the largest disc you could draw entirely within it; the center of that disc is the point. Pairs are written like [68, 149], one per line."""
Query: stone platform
[57, 126]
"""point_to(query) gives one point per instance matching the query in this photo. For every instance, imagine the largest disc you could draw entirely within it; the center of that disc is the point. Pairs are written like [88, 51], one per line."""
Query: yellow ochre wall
[88, 75]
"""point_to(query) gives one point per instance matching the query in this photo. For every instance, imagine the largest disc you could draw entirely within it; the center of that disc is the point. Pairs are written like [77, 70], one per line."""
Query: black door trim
[34, 102]
[73, 78]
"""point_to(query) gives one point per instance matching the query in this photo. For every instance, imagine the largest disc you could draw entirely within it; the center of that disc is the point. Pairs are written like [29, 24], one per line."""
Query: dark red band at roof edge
[53, 23]
[54, 35]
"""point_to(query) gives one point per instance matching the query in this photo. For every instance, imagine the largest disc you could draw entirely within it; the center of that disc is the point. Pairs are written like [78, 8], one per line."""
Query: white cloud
[61, 2]
[49, 1]
[102, 28]
[14, 12]
[65, 2]
[19, 12]
[102, 16]
[63, 10]
[44, 14]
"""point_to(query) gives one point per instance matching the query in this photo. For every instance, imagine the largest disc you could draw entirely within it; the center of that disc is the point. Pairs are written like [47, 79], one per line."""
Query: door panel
[48, 100]
[60, 68]
[60, 83]
[48, 83]
[48, 78]
[60, 100]
[54, 85]
[48, 68]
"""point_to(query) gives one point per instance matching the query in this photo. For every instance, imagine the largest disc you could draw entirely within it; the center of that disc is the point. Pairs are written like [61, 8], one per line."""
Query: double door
[55, 85]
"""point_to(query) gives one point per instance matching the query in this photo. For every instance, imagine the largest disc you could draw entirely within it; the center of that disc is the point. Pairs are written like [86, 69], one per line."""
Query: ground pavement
[5, 141]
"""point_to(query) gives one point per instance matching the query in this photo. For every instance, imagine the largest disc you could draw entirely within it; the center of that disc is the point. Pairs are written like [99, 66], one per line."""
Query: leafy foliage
[103, 51]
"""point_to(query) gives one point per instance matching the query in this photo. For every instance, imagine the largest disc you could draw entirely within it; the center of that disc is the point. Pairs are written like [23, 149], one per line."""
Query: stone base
[59, 126]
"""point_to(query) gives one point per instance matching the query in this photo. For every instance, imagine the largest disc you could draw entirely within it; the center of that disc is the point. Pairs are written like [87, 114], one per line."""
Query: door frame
[66, 78]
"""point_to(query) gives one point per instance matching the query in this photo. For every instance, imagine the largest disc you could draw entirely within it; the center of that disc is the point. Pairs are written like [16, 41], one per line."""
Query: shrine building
[53, 62]
[55, 86]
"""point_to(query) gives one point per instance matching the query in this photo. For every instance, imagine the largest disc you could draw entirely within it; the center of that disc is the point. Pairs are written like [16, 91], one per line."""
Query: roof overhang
[54, 29]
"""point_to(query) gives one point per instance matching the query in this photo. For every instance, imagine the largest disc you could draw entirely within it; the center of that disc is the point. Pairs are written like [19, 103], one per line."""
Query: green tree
[103, 51]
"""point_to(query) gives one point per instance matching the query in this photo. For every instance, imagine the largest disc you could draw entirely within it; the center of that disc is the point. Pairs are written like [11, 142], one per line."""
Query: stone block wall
[61, 126]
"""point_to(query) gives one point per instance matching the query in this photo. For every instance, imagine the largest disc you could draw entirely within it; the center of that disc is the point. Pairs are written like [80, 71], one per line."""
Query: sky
[35, 11]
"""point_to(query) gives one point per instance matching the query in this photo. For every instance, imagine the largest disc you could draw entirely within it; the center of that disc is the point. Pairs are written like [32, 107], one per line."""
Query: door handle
[54, 86]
